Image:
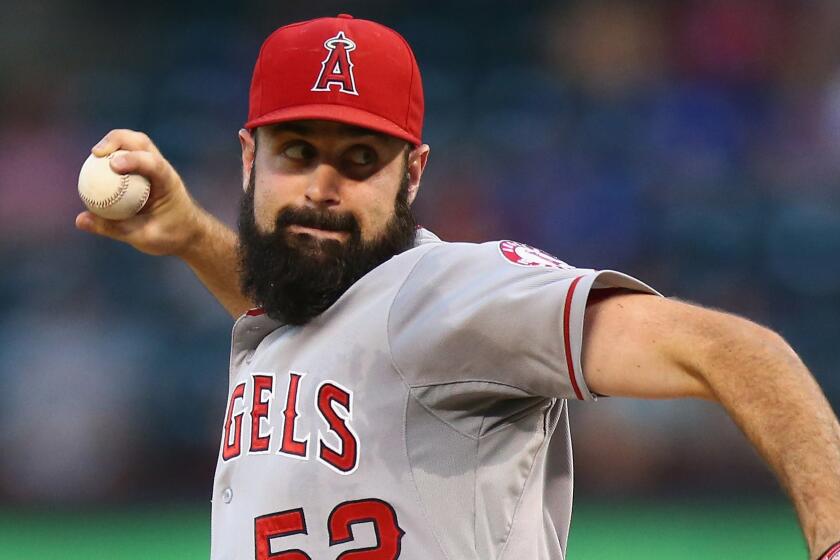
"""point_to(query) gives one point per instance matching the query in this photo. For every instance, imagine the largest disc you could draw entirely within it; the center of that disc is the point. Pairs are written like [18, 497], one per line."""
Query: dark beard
[296, 277]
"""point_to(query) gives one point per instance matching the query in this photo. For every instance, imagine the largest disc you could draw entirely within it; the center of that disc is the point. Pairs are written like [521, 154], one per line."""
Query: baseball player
[396, 396]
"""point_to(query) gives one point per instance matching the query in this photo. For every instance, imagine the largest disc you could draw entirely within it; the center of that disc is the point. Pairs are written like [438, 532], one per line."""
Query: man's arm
[171, 223]
[650, 347]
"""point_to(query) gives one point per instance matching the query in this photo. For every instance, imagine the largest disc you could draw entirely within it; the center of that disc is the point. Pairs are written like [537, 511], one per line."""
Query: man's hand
[650, 347]
[171, 222]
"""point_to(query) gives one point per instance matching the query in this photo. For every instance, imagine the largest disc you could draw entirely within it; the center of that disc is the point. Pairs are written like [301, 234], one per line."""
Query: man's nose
[324, 185]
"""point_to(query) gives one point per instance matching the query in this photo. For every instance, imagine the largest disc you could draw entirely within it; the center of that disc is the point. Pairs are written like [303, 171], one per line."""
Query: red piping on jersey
[830, 554]
[567, 312]
[256, 312]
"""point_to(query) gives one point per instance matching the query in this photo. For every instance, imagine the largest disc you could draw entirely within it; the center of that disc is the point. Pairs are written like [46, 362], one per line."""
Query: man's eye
[361, 156]
[299, 151]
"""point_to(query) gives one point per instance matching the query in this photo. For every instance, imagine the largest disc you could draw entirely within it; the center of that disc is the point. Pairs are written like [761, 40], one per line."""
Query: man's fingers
[91, 223]
[84, 222]
[138, 231]
[124, 139]
[150, 165]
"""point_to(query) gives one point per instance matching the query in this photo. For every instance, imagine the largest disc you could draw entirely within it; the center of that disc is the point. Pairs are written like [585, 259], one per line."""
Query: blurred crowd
[693, 144]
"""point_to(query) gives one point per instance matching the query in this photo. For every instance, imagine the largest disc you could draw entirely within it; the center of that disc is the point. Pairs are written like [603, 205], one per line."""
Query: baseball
[109, 194]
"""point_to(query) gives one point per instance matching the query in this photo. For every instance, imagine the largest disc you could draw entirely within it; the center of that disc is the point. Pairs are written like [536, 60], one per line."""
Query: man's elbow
[732, 351]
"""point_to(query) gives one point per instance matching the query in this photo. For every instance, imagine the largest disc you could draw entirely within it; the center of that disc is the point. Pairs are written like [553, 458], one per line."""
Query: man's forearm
[212, 256]
[773, 398]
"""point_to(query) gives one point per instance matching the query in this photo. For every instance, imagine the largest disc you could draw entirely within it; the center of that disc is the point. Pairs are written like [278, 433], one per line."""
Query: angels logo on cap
[525, 255]
[337, 68]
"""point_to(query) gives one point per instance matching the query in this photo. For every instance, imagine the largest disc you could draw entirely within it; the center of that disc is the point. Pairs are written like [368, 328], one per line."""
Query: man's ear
[248, 143]
[417, 160]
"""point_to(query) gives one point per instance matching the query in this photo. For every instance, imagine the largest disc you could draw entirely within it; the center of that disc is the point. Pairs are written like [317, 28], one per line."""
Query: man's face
[325, 204]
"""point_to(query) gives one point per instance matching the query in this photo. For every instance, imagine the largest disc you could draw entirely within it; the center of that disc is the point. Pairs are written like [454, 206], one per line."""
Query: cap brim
[337, 113]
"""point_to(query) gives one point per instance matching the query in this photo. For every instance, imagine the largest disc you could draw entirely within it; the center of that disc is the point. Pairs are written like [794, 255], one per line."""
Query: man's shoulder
[502, 253]
[431, 253]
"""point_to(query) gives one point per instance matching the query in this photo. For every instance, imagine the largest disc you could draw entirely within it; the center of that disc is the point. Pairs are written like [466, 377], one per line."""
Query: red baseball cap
[352, 71]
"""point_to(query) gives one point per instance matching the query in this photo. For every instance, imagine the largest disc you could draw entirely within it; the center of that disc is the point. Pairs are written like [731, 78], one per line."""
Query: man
[395, 396]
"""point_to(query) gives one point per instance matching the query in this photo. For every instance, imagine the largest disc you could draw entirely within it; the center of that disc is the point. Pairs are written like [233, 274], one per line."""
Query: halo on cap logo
[525, 255]
[337, 68]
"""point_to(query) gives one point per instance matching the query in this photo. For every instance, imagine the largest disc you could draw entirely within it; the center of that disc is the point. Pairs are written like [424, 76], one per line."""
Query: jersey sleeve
[508, 317]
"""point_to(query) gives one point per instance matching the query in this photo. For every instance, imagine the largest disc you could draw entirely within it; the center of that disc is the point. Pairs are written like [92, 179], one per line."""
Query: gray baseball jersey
[423, 415]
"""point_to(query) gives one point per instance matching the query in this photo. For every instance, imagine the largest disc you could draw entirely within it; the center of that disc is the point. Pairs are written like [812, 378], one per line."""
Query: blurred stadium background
[693, 144]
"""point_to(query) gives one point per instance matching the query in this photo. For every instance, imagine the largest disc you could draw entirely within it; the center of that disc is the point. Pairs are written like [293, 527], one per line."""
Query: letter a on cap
[337, 68]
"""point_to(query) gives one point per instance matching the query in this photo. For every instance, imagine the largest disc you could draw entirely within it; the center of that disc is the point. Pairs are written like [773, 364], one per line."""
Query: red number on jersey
[384, 518]
[340, 526]
[283, 524]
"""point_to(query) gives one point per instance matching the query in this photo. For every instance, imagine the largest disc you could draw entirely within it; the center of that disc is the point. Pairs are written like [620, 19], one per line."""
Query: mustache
[326, 220]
